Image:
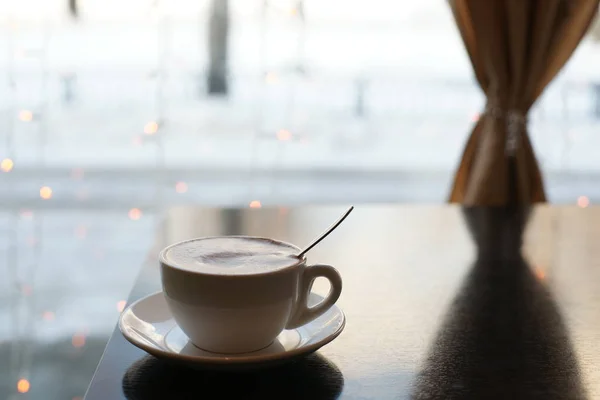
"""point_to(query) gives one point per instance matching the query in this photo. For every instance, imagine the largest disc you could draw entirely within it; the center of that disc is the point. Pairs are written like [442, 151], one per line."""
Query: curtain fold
[516, 48]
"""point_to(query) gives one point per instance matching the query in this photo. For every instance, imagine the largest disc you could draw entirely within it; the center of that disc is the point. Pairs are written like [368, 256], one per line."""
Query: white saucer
[149, 325]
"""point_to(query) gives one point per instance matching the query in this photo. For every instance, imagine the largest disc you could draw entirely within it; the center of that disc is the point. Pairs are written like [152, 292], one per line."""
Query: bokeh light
[7, 165]
[48, 316]
[45, 192]
[137, 141]
[284, 135]
[255, 204]
[121, 305]
[25, 115]
[23, 385]
[151, 128]
[78, 340]
[135, 214]
[540, 273]
[181, 187]
[583, 201]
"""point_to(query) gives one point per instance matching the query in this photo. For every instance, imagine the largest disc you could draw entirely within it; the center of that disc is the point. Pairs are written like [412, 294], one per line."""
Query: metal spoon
[326, 233]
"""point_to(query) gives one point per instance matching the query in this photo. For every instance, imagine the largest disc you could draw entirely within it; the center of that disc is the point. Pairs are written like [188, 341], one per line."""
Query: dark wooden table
[440, 301]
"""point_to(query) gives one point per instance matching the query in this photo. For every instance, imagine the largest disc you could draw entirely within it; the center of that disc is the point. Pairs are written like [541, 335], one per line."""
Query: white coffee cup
[239, 313]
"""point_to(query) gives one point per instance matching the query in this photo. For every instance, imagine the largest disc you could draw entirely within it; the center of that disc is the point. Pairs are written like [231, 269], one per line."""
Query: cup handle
[304, 314]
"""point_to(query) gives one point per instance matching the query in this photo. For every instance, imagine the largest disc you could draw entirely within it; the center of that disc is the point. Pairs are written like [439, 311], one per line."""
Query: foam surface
[232, 255]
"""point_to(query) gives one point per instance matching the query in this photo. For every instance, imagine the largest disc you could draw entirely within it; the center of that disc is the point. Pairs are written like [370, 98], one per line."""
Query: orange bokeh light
[7, 165]
[23, 385]
[48, 316]
[540, 273]
[583, 201]
[181, 187]
[135, 214]
[255, 204]
[151, 128]
[45, 192]
[121, 305]
[78, 340]
[284, 135]
[25, 115]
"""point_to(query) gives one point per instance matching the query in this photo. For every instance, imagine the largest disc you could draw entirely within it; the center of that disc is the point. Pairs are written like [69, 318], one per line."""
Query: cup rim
[163, 261]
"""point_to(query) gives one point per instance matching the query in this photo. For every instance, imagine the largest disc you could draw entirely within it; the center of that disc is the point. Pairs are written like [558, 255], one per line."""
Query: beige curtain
[516, 47]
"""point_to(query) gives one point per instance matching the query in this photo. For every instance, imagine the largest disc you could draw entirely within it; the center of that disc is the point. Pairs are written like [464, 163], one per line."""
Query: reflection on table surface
[64, 277]
[312, 377]
[425, 307]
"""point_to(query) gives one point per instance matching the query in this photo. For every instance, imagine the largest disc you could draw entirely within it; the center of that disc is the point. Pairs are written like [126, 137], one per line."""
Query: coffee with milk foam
[232, 255]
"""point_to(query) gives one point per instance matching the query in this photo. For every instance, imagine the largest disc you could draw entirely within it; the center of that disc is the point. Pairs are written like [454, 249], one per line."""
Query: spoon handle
[327, 232]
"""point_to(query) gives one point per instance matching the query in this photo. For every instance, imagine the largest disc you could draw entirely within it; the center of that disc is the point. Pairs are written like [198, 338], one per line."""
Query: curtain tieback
[515, 121]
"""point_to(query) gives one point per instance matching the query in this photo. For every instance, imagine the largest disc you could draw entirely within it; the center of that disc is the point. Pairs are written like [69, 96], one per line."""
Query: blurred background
[113, 110]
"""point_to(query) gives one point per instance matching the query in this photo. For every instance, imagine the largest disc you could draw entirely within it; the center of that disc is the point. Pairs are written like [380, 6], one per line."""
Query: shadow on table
[311, 377]
[503, 336]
